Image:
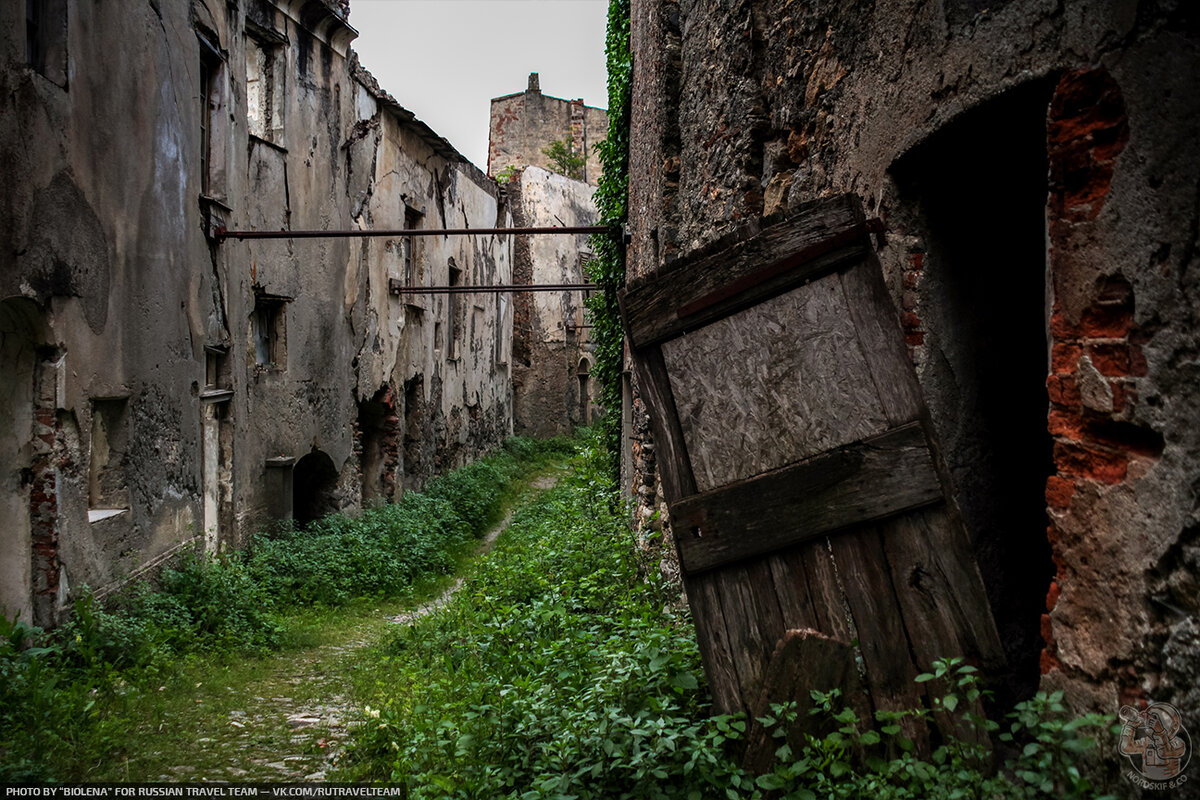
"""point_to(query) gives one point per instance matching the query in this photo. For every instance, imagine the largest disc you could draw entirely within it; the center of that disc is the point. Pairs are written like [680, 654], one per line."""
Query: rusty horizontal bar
[222, 233]
[396, 287]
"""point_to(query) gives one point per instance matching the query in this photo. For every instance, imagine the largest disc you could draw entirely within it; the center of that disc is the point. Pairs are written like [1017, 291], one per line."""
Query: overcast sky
[445, 60]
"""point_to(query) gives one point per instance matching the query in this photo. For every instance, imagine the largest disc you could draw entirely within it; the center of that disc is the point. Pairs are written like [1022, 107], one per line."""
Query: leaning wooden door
[808, 504]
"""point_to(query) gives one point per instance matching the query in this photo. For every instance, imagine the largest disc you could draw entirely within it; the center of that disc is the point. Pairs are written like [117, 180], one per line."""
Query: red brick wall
[1096, 354]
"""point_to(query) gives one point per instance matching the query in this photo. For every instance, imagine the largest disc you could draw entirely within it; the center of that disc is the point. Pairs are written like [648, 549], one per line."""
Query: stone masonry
[1036, 169]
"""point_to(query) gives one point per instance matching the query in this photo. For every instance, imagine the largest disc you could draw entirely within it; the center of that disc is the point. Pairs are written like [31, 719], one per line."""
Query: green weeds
[558, 673]
[69, 700]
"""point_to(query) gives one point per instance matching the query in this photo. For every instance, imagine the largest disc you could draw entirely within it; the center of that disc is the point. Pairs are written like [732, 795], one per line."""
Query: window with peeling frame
[268, 332]
[264, 88]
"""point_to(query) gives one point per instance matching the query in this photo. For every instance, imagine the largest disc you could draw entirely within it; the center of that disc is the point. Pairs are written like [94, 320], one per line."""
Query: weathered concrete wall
[295, 400]
[553, 390]
[449, 350]
[165, 390]
[525, 123]
[973, 133]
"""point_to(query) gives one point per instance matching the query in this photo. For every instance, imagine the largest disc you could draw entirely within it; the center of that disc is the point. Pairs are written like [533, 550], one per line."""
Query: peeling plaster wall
[299, 402]
[166, 391]
[747, 109]
[550, 337]
[462, 364]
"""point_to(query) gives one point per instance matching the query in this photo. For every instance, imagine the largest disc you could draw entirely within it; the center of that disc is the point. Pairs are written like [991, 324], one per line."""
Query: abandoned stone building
[1003, 196]
[553, 391]
[164, 385]
[522, 125]
[552, 352]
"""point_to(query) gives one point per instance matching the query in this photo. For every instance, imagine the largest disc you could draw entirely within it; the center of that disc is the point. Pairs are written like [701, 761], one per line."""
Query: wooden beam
[695, 291]
[868, 480]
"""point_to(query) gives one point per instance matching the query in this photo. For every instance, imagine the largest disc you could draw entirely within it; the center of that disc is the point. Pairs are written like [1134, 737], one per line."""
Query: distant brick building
[523, 124]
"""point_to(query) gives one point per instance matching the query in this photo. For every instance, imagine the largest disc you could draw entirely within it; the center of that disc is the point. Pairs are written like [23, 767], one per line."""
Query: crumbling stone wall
[522, 124]
[553, 390]
[168, 383]
[452, 346]
[745, 110]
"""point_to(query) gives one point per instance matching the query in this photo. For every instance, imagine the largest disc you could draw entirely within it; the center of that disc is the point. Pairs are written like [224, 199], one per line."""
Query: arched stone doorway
[314, 484]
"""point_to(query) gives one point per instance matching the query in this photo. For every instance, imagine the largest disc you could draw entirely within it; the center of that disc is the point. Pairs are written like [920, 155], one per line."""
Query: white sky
[445, 60]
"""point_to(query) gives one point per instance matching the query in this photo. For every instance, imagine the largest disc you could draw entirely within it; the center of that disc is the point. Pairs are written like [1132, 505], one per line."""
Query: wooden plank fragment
[674, 467]
[864, 481]
[695, 291]
[715, 652]
[803, 385]
[802, 660]
[882, 343]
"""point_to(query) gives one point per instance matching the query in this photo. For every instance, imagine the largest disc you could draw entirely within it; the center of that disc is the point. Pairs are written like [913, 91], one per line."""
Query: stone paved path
[293, 723]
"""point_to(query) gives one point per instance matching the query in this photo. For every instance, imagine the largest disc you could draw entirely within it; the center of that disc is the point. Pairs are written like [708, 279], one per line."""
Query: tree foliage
[564, 160]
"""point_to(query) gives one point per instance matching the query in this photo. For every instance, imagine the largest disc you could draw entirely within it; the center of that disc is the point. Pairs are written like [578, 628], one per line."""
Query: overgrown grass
[64, 697]
[559, 672]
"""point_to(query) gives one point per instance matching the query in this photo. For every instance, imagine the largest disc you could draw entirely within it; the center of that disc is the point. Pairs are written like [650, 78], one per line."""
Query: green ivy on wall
[608, 268]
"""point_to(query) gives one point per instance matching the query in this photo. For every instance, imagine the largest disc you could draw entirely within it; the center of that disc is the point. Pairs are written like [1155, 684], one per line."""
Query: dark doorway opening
[378, 427]
[414, 426]
[977, 191]
[314, 485]
[584, 374]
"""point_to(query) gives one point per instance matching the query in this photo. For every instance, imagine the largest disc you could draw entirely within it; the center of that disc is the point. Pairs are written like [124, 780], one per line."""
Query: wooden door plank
[791, 589]
[882, 342]
[824, 589]
[753, 622]
[937, 580]
[939, 604]
[674, 467]
[695, 291]
[882, 635]
[868, 480]
[803, 385]
[715, 652]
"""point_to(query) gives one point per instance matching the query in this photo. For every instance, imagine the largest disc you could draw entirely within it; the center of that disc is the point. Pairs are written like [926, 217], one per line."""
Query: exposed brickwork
[1095, 359]
[44, 470]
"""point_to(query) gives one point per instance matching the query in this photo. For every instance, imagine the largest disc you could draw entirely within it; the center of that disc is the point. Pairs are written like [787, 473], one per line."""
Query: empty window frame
[264, 88]
[268, 331]
[210, 66]
[414, 274]
[107, 488]
[453, 305]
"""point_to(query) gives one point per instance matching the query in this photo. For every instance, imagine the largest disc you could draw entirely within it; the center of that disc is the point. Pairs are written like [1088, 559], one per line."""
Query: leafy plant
[564, 160]
[607, 269]
[506, 175]
[557, 672]
[64, 697]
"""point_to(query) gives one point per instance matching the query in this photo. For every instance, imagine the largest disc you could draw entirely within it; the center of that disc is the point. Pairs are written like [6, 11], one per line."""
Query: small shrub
[564, 160]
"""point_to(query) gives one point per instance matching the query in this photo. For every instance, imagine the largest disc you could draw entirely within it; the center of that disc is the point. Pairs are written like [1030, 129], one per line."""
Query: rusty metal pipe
[221, 233]
[395, 288]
